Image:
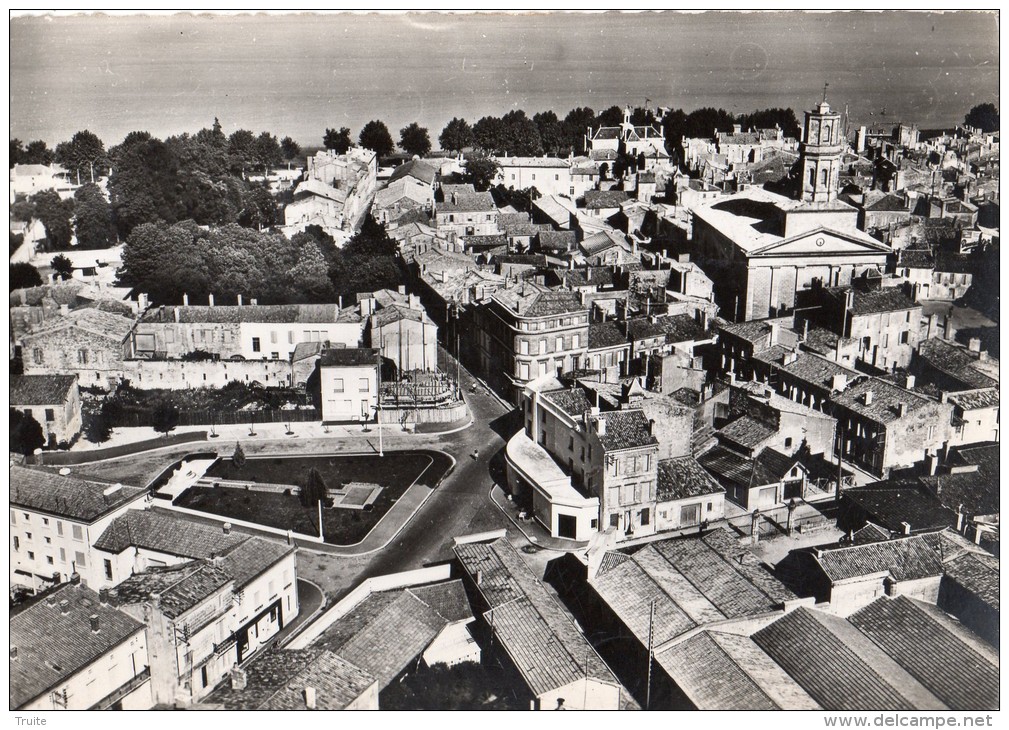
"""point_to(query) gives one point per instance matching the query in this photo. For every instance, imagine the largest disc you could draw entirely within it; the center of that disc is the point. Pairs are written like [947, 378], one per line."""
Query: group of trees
[88, 215]
[985, 116]
[413, 139]
[169, 261]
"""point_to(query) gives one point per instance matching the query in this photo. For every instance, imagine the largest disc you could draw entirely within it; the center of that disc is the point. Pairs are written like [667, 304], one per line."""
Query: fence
[444, 414]
[69, 458]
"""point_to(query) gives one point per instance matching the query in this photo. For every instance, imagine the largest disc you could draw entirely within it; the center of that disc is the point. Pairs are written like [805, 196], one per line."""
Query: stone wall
[182, 374]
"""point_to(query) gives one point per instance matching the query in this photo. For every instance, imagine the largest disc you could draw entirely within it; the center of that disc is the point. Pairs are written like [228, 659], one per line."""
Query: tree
[414, 140]
[289, 148]
[314, 489]
[238, 458]
[92, 218]
[338, 141]
[267, 151]
[97, 430]
[551, 132]
[62, 267]
[372, 240]
[145, 183]
[84, 155]
[24, 276]
[456, 136]
[575, 126]
[259, 208]
[488, 133]
[55, 216]
[375, 136]
[37, 153]
[984, 116]
[165, 417]
[17, 152]
[612, 117]
[26, 434]
[481, 169]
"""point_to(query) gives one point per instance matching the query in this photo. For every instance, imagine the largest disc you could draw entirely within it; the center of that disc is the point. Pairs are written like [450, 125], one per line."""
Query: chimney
[239, 679]
[210, 300]
[239, 300]
[113, 597]
[64, 607]
[737, 128]
[479, 577]
[103, 596]
[805, 329]
[75, 579]
[401, 289]
[253, 302]
[64, 309]
[907, 527]
[908, 382]
[948, 327]
[867, 398]
[185, 300]
[601, 426]
[51, 600]
[902, 409]
[755, 526]
[95, 623]
[227, 528]
[838, 382]
[14, 652]
[310, 698]
[175, 310]
[959, 518]
[974, 344]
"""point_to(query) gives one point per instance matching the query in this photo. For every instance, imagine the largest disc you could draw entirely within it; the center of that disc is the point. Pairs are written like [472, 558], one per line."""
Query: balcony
[123, 691]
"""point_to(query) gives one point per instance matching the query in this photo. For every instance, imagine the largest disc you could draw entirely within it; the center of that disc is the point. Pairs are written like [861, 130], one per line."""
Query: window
[63, 555]
[108, 570]
[49, 559]
[77, 532]
[37, 355]
[709, 506]
[576, 341]
[203, 675]
[363, 385]
[82, 357]
[823, 177]
[645, 516]
[28, 536]
[273, 337]
[788, 442]
[338, 385]
[615, 520]
[571, 443]
[17, 543]
[524, 347]
[59, 527]
[559, 344]
[45, 520]
[290, 337]
[50, 417]
[905, 337]
[49, 541]
[31, 555]
[79, 559]
[255, 344]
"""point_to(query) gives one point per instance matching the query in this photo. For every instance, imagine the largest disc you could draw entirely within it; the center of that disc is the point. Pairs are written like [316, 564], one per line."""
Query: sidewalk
[533, 530]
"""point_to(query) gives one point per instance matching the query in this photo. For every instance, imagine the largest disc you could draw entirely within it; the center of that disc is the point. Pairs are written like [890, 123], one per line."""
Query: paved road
[461, 504]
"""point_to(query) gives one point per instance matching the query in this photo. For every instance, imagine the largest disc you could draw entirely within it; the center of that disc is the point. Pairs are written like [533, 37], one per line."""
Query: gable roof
[40, 390]
[628, 429]
[174, 589]
[258, 313]
[721, 671]
[276, 681]
[694, 581]
[976, 573]
[350, 357]
[163, 532]
[419, 169]
[544, 644]
[840, 667]
[885, 402]
[66, 496]
[892, 503]
[947, 659]
[53, 645]
[602, 199]
[904, 558]
[88, 319]
[682, 478]
[747, 431]
[768, 467]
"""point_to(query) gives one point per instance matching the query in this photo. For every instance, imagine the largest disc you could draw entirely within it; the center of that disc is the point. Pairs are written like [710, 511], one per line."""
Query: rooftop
[723, 671]
[600, 199]
[747, 431]
[977, 573]
[94, 321]
[55, 641]
[66, 496]
[605, 334]
[40, 390]
[543, 642]
[841, 668]
[904, 558]
[768, 467]
[694, 581]
[276, 680]
[164, 532]
[885, 401]
[572, 401]
[175, 589]
[935, 649]
[625, 430]
[886, 299]
[529, 300]
[264, 313]
[890, 504]
[466, 203]
[955, 361]
[350, 357]
[419, 169]
[682, 478]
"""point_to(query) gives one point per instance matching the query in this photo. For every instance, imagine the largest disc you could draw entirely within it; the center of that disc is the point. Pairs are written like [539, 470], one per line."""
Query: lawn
[395, 472]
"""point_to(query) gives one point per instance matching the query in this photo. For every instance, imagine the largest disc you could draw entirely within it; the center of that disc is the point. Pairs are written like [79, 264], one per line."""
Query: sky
[298, 74]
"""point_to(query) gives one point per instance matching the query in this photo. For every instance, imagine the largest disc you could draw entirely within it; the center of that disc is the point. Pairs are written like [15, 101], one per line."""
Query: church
[760, 247]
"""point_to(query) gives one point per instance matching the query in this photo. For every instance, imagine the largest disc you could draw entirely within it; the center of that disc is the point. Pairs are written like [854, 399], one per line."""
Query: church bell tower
[820, 154]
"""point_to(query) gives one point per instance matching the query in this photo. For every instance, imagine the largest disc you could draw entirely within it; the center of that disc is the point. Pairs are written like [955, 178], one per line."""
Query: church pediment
[823, 242]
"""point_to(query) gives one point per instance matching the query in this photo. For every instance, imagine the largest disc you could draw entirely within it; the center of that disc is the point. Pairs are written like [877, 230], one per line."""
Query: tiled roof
[397, 312]
[535, 301]
[40, 390]
[694, 581]
[384, 633]
[888, 299]
[600, 199]
[276, 680]
[978, 574]
[175, 589]
[955, 361]
[570, 400]
[889, 202]
[885, 401]
[840, 667]
[915, 258]
[605, 334]
[951, 262]
[94, 321]
[681, 328]
[947, 659]
[466, 203]
[753, 332]
[67, 496]
[350, 357]
[719, 671]
[747, 431]
[682, 478]
[485, 241]
[557, 240]
[769, 466]
[625, 430]
[971, 400]
[264, 313]
[904, 558]
[173, 534]
[642, 328]
[253, 557]
[891, 503]
[447, 599]
[543, 642]
[52, 645]
[418, 169]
